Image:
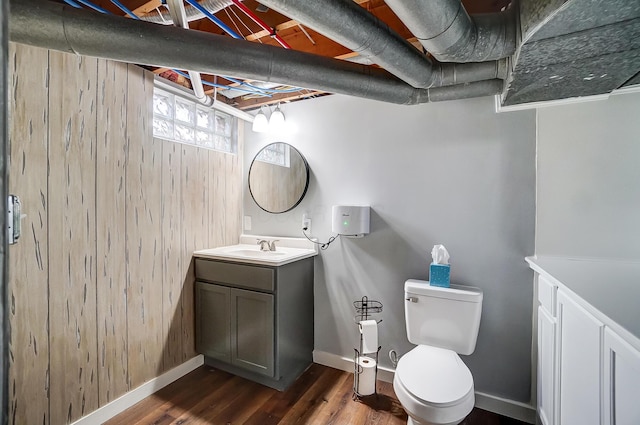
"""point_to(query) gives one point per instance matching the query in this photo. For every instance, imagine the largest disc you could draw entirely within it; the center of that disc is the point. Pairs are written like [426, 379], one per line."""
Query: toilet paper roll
[366, 379]
[369, 331]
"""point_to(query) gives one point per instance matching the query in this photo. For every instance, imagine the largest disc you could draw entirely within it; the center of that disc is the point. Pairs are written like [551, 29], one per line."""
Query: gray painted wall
[454, 173]
[588, 184]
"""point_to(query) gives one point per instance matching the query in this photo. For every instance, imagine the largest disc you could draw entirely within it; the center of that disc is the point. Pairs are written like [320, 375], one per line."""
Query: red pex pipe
[261, 23]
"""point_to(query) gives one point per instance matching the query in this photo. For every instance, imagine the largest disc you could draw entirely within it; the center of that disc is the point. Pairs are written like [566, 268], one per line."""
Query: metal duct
[351, 25]
[59, 27]
[193, 14]
[447, 31]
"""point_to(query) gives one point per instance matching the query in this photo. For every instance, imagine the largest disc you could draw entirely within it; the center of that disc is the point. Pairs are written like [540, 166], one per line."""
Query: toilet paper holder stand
[364, 309]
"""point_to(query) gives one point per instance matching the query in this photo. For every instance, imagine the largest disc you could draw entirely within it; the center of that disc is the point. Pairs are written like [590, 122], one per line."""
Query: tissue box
[439, 275]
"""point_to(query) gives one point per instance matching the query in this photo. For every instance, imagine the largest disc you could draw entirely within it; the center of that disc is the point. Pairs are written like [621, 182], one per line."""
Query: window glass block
[203, 138]
[162, 128]
[222, 143]
[205, 119]
[185, 111]
[223, 124]
[163, 104]
[185, 134]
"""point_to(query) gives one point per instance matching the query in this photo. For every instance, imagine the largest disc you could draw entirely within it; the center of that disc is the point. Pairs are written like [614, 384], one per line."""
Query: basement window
[182, 120]
[275, 153]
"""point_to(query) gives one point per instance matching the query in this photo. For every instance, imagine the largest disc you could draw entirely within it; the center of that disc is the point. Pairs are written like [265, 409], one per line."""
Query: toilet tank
[442, 317]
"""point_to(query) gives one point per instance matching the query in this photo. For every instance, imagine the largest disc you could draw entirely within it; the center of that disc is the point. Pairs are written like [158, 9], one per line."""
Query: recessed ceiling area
[400, 51]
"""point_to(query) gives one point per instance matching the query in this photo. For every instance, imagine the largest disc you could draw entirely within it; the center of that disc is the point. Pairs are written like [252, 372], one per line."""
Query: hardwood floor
[321, 396]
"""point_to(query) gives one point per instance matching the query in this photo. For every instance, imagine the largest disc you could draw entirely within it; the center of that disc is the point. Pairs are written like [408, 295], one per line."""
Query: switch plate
[247, 222]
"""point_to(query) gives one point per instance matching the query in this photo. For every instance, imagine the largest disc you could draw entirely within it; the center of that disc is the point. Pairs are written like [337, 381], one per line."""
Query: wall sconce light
[275, 122]
[260, 123]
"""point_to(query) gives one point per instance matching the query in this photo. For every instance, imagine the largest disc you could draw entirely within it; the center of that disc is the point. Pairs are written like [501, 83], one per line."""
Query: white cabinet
[588, 364]
[547, 325]
[621, 381]
[579, 347]
[546, 366]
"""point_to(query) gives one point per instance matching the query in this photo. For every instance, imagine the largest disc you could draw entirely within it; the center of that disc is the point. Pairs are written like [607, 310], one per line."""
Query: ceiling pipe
[59, 27]
[446, 30]
[177, 11]
[260, 23]
[349, 24]
[193, 14]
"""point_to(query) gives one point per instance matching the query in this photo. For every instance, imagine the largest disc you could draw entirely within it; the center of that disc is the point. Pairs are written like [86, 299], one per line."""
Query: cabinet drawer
[547, 295]
[239, 275]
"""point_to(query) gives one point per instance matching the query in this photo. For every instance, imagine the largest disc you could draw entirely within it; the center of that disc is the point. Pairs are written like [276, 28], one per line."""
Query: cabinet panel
[213, 321]
[253, 331]
[547, 295]
[546, 366]
[252, 277]
[580, 342]
[621, 381]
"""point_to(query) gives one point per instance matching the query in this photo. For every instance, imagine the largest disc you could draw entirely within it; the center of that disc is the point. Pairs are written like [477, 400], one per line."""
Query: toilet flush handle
[412, 299]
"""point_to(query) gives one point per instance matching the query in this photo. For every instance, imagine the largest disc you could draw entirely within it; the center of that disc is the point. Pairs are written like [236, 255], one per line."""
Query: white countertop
[610, 286]
[248, 251]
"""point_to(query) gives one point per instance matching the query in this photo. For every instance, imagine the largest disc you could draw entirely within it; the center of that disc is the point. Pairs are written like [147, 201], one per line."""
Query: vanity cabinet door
[546, 366]
[213, 321]
[621, 381]
[252, 331]
[580, 343]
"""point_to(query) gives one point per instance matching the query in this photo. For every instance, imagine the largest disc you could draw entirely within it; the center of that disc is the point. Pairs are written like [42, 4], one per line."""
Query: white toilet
[431, 382]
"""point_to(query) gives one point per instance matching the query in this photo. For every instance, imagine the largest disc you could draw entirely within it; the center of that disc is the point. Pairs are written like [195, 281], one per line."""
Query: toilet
[431, 381]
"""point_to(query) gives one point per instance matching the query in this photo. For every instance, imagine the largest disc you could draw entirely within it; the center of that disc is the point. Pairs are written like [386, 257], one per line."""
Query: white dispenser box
[351, 221]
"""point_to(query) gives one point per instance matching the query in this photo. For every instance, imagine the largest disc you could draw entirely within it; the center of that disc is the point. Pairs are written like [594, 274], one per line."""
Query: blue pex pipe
[125, 9]
[213, 19]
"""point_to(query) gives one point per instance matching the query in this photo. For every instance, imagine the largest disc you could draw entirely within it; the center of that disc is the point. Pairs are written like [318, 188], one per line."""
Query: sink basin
[287, 251]
[255, 253]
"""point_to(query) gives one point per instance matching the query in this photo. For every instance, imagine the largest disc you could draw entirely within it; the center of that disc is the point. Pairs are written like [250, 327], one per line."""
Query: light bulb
[260, 123]
[276, 122]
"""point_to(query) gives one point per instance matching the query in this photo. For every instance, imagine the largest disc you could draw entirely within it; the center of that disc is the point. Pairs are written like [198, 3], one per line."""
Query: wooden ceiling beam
[147, 7]
[253, 103]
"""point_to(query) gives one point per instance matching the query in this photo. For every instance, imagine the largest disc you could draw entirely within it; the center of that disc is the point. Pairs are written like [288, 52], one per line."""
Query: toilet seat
[434, 375]
[434, 386]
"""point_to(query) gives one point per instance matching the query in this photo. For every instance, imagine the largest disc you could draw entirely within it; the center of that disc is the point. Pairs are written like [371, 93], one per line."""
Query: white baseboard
[505, 407]
[127, 400]
[501, 406]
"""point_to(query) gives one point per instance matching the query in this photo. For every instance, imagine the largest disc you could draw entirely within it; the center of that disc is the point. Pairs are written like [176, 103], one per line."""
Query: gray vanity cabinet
[255, 321]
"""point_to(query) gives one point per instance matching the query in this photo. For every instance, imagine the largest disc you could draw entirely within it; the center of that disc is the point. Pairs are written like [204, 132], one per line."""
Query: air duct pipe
[351, 25]
[192, 14]
[446, 30]
[59, 27]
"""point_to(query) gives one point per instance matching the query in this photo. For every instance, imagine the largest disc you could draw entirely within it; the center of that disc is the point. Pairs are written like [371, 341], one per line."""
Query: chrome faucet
[266, 245]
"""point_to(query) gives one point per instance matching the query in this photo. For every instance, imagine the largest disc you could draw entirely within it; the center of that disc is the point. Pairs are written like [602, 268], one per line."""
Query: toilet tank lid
[455, 292]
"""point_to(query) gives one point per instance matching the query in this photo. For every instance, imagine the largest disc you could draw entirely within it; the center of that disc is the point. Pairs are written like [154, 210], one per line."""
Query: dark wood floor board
[179, 396]
[277, 406]
[321, 396]
[212, 401]
[315, 399]
[240, 409]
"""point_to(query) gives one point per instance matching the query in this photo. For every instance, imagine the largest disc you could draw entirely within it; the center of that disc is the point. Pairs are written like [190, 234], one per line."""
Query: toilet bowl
[434, 386]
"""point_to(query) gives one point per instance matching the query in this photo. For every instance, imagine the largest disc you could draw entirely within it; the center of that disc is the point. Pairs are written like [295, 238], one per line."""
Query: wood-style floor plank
[321, 396]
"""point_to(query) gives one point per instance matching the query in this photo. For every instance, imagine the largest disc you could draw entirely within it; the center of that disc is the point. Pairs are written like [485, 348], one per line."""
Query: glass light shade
[260, 123]
[276, 122]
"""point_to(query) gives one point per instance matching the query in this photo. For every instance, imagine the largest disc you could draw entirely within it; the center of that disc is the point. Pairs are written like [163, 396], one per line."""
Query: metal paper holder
[364, 308]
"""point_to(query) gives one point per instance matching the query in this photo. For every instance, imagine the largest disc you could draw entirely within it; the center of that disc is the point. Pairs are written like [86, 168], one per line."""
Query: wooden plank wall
[101, 282]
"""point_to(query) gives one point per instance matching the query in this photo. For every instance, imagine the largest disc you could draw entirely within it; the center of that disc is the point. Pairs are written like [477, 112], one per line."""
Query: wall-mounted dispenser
[350, 221]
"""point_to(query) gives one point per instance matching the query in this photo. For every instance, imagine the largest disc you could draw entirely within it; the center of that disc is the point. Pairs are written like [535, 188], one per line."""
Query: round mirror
[278, 178]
